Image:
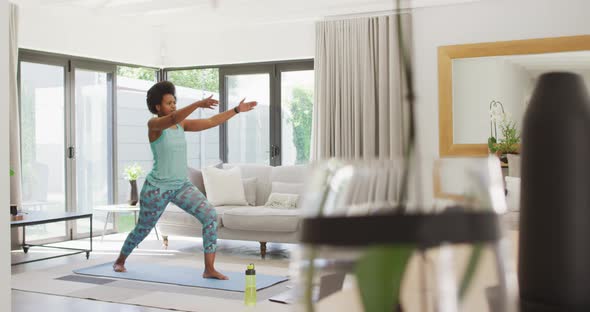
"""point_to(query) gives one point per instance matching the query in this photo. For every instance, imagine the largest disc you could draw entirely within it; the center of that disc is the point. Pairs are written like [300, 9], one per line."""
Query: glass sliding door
[297, 100]
[193, 85]
[248, 134]
[43, 142]
[93, 139]
[132, 146]
[278, 131]
[69, 137]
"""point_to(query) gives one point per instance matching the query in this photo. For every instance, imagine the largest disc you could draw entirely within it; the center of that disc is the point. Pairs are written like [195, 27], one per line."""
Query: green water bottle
[250, 293]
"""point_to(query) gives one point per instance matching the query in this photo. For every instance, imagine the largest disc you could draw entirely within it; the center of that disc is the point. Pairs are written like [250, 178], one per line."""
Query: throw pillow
[224, 187]
[250, 190]
[282, 201]
[287, 188]
[196, 178]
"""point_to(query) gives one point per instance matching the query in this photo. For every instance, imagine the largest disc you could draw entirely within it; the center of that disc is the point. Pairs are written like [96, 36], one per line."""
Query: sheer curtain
[360, 108]
[13, 112]
[15, 164]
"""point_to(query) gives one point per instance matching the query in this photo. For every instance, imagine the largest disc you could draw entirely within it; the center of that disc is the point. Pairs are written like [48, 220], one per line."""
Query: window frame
[70, 63]
[274, 68]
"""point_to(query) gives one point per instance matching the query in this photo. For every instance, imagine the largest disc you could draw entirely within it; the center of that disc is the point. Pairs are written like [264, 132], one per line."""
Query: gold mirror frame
[446, 54]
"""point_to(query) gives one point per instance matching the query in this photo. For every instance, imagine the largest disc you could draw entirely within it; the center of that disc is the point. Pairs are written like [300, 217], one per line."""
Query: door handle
[274, 151]
[71, 152]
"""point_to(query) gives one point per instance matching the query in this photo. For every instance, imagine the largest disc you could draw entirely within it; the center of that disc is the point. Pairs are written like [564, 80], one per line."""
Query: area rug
[180, 275]
[60, 280]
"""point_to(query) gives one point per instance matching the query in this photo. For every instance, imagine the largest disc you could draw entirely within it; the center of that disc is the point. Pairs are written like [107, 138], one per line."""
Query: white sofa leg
[165, 241]
[263, 249]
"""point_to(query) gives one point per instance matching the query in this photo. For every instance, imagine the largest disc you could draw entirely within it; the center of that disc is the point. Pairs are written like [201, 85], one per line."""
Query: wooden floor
[23, 301]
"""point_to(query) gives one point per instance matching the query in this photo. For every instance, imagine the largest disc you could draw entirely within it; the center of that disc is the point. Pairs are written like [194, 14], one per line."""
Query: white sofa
[251, 223]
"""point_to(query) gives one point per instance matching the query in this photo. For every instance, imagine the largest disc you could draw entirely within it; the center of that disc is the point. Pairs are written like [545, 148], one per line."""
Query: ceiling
[182, 14]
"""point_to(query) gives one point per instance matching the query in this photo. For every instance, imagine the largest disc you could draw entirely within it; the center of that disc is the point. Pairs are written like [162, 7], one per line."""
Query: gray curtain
[15, 163]
[359, 106]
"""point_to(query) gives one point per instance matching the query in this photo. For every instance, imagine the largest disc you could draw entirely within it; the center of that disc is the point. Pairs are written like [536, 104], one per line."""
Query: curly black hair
[156, 93]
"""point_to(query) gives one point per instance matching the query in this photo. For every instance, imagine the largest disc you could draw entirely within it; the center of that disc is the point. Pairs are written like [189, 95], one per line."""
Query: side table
[111, 210]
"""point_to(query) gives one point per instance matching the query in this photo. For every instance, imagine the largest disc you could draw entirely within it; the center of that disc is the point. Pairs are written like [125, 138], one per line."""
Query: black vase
[133, 194]
[554, 243]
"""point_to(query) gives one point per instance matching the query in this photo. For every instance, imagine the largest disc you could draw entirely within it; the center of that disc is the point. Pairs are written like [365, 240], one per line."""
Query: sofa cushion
[289, 174]
[262, 175]
[282, 201]
[261, 219]
[250, 190]
[266, 174]
[287, 188]
[224, 187]
[196, 177]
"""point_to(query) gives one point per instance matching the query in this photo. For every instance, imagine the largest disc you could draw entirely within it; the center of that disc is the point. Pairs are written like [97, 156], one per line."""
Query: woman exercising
[168, 182]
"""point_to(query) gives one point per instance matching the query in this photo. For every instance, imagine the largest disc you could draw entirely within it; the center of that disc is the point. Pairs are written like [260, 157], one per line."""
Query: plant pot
[503, 157]
[13, 210]
[133, 198]
[514, 164]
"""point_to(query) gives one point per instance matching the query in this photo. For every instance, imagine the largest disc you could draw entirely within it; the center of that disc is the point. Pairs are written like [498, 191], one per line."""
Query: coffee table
[42, 217]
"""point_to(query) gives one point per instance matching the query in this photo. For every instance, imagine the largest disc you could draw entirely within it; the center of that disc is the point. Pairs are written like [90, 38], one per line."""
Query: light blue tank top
[170, 162]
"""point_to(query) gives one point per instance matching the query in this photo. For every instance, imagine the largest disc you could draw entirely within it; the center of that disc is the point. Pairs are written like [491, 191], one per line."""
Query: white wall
[5, 292]
[84, 34]
[245, 44]
[485, 21]
[478, 81]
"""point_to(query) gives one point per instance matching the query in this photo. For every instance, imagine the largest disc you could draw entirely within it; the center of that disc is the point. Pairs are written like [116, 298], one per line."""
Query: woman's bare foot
[214, 274]
[119, 267]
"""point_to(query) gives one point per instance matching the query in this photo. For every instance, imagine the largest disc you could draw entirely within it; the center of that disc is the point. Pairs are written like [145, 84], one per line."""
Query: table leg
[88, 253]
[25, 248]
[104, 229]
[156, 230]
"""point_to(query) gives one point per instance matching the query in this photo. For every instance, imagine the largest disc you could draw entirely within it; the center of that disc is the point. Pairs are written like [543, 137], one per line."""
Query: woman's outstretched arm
[178, 116]
[216, 120]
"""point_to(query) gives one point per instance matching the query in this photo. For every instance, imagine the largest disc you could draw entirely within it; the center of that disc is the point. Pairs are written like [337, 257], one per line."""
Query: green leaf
[379, 274]
[11, 172]
[492, 144]
[470, 270]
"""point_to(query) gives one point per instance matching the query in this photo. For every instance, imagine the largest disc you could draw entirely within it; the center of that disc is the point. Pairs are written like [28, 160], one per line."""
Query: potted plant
[132, 173]
[509, 142]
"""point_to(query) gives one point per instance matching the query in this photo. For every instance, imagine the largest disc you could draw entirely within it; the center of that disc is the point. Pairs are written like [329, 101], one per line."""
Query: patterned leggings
[188, 198]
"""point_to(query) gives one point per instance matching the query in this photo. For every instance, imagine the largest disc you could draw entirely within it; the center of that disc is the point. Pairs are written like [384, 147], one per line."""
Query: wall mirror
[475, 77]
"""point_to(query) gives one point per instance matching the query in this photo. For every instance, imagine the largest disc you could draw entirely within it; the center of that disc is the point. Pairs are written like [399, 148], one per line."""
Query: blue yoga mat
[179, 275]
